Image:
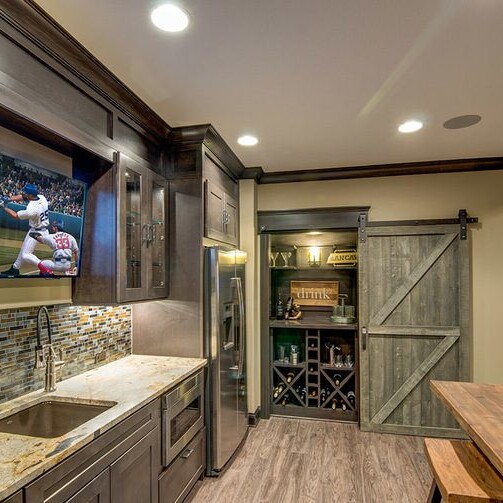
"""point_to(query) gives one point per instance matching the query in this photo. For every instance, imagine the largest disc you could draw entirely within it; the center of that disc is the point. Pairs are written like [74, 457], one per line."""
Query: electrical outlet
[101, 356]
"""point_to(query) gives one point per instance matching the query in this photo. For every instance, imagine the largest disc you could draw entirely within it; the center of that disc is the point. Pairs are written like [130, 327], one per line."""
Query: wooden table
[479, 410]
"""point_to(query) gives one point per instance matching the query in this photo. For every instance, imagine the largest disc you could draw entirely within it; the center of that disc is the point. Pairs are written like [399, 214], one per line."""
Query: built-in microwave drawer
[177, 480]
[182, 416]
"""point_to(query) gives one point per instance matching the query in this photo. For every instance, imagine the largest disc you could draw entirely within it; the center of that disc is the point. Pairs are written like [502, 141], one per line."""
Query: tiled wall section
[80, 331]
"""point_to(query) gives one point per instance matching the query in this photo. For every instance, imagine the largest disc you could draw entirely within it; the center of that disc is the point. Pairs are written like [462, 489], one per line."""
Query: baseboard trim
[254, 417]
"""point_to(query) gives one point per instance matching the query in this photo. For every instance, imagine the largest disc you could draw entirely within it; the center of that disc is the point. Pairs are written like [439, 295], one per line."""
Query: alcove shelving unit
[312, 387]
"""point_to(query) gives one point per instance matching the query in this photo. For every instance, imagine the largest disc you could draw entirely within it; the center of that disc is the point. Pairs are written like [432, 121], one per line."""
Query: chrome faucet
[50, 361]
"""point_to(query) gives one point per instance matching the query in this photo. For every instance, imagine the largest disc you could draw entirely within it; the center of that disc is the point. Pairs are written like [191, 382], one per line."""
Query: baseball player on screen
[64, 247]
[37, 214]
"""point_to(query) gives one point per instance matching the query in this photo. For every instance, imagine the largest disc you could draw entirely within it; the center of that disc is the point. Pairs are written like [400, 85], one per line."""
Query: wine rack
[313, 387]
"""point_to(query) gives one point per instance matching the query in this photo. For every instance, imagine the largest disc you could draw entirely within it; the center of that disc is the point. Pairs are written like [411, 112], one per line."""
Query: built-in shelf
[312, 322]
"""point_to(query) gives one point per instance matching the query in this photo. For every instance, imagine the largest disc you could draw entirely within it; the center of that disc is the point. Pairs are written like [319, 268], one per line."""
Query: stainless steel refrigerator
[225, 346]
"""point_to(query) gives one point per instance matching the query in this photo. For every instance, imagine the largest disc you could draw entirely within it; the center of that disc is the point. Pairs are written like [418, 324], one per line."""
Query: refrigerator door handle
[241, 325]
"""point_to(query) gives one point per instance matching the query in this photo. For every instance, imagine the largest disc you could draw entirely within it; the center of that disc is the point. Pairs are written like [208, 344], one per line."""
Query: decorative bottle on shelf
[290, 377]
[278, 390]
[285, 400]
[337, 379]
[280, 310]
[352, 398]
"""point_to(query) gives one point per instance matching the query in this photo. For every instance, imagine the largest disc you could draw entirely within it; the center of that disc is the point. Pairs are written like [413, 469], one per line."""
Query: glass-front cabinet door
[157, 276]
[132, 229]
[141, 241]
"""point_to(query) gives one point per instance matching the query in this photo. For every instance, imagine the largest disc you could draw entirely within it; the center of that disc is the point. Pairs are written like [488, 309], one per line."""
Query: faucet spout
[50, 361]
[43, 311]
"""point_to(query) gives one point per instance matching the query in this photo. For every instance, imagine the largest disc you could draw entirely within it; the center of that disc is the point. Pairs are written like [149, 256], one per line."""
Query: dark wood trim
[206, 134]
[252, 174]
[254, 417]
[34, 24]
[379, 170]
[344, 217]
[265, 342]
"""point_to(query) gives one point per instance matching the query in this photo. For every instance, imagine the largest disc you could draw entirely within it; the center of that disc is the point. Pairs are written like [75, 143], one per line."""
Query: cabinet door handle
[145, 231]
[364, 338]
[187, 453]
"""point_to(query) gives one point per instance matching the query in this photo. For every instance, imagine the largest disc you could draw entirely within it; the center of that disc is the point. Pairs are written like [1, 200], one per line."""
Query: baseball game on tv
[41, 221]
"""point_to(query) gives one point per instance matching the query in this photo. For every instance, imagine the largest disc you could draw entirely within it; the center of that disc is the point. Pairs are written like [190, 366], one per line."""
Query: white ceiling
[322, 83]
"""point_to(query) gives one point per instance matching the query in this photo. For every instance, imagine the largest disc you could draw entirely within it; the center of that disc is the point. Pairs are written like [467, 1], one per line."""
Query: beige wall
[34, 292]
[420, 197]
[248, 240]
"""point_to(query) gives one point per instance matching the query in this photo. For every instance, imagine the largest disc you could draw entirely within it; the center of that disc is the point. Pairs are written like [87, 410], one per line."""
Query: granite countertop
[131, 382]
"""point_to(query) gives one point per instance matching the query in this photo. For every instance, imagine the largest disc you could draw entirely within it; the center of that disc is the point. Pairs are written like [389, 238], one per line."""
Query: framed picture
[315, 293]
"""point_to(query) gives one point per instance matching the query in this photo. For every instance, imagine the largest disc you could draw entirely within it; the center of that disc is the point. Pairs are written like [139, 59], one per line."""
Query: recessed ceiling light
[462, 121]
[410, 127]
[314, 233]
[168, 17]
[247, 140]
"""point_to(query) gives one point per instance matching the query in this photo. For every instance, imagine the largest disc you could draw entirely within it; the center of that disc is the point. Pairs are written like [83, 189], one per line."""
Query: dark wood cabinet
[134, 475]
[15, 498]
[124, 256]
[221, 219]
[96, 491]
[177, 480]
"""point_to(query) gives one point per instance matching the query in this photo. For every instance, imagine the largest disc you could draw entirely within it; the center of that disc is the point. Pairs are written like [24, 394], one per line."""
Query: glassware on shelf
[349, 360]
[281, 352]
[286, 258]
[294, 354]
[273, 256]
[339, 360]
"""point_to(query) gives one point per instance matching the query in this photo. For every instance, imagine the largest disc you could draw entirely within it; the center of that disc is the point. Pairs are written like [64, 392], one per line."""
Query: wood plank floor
[302, 461]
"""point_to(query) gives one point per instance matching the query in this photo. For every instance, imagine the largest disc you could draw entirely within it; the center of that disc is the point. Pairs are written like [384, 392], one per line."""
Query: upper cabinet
[221, 207]
[141, 240]
[124, 251]
[202, 165]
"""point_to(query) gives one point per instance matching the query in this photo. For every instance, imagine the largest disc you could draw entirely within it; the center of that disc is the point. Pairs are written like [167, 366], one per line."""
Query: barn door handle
[364, 338]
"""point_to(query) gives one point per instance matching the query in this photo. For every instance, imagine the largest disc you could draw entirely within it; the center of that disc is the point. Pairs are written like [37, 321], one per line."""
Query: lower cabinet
[96, 491]
[15, 498]
[121, 466]
[181, 475]
[134, 475]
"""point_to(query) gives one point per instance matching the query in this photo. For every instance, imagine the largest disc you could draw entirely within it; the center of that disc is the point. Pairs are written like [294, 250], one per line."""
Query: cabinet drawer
[178, 479]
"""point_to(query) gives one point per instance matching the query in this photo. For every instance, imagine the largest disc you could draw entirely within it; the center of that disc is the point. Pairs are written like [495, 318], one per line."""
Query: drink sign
[315, 293]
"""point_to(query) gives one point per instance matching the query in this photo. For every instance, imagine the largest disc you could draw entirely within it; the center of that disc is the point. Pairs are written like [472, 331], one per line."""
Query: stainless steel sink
[52, 418]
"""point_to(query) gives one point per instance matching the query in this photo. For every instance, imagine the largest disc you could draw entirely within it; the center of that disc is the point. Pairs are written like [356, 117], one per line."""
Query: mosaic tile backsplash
[81, 332]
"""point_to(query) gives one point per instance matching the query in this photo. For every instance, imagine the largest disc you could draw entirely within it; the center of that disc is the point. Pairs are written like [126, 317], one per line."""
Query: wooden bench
[462, 474]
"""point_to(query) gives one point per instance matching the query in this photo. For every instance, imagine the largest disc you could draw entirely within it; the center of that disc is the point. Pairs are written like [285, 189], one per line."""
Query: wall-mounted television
[41, 221]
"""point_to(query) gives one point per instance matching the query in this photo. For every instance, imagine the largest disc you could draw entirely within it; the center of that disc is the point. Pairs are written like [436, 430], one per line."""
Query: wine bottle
[312, 344]
[352, 398]
[278, 390]
[334, 403]
[343, 405]
[303, 394]
[313, 393]
[285, 400]
[323, 395]
[311, 369]
[290, 377]
[337, 379]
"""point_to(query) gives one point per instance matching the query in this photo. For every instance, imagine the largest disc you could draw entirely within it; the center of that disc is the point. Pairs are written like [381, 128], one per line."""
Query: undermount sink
[52, 417]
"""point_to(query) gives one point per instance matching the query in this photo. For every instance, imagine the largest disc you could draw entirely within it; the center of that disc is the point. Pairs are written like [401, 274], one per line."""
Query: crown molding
[32, 23]
[378, 170]
[207, 135]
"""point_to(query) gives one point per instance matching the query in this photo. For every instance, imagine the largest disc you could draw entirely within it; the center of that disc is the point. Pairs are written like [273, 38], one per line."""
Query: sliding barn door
[414, 302]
